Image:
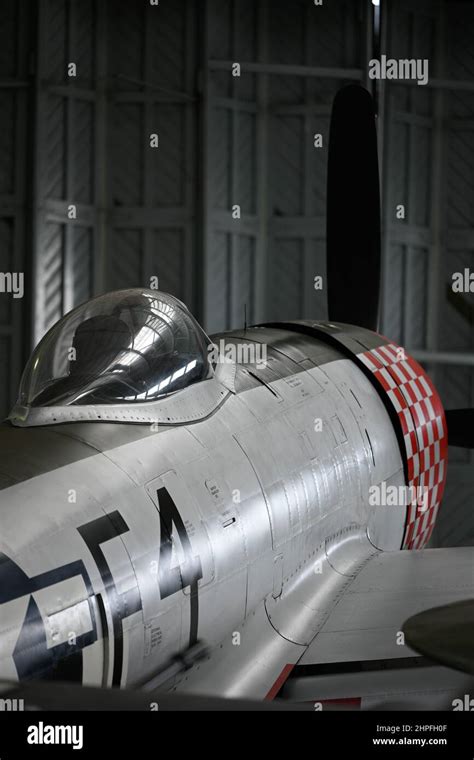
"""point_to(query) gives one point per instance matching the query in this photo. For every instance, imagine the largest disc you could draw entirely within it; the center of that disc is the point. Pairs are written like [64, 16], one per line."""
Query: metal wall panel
[127, 246]
[152, 192]
[82, 265]
[136, 205]
[257, 131]
[218, 258]
[169, 258]
[288, 273]
[260, 150]
[64, 159]
[52, 285]
[428, 166]
[412, 32]
[16, 20]
[126, 165]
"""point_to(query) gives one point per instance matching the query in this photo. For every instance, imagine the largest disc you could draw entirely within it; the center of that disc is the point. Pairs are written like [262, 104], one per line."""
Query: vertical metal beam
[388, 99]
[368, 26]
[410, 164]
[17, 353]
[262, 135]
[37, 311]
[148, 127]
[409, 189]
[308, 244]
[349, 36]
[101, 200]
[202, 199]
[190, 170]
[233, 261]
[205, 211]
[68, 258]
[381, 102]
[438, 198]
[383, 138]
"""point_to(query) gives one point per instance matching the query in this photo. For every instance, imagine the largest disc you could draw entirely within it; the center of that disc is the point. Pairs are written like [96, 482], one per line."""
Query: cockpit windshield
[120, 348]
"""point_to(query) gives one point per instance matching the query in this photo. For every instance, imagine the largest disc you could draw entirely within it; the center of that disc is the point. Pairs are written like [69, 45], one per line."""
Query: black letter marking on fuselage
[173, 579]
[31, 655]
[95, 533]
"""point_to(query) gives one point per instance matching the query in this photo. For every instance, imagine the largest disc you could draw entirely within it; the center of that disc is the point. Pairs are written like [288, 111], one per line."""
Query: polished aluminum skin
[225, 531]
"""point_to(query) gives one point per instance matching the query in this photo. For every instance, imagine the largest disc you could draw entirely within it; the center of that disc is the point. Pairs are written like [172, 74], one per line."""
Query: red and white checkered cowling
[423, 424]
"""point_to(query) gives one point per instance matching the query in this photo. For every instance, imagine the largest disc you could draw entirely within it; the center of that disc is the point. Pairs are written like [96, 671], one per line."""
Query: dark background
[166, 212]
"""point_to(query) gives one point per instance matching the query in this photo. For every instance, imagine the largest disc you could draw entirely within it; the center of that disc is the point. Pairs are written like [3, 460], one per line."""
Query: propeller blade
[353, 210]
[444, 634]
[48, 695]
[460, 424]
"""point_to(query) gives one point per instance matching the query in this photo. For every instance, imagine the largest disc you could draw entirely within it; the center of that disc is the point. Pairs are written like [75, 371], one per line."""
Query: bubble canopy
[125, 347]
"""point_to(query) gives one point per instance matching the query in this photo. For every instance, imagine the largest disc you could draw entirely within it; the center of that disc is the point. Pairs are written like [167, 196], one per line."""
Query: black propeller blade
[444, 634]
[353, 210]
[460, 424]
[48, 695]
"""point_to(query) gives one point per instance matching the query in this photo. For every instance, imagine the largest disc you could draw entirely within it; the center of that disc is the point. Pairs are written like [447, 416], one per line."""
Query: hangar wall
[428, 168]
[261, 154]
[16, 29]
[107, 210]
[135, 204]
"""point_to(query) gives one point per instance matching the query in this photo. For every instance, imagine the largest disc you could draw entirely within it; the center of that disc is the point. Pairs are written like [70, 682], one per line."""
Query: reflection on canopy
[124, 347]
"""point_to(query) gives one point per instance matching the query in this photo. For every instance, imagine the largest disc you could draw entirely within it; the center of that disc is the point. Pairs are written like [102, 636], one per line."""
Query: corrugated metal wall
[152, 72]
[135, 203]
[456, 314]
[223, 141]
[15, 25]
[261, 154]
[141, 212]
[64, 156]
[410, 135]
[428, 167]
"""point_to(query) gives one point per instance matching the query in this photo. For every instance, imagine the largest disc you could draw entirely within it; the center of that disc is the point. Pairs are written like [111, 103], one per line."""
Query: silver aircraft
[242, 517]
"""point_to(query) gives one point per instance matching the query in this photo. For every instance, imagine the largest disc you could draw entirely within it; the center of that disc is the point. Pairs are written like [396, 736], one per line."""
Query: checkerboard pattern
[421, 416]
